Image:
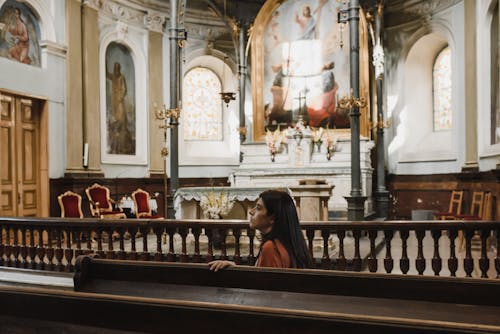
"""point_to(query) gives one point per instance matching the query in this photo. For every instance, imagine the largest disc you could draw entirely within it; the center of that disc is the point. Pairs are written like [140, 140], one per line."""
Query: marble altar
[300, 159]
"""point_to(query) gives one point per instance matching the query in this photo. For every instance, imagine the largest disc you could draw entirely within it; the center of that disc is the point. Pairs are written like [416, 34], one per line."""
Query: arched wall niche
[134, 42]
[489, 153]
[210, 153]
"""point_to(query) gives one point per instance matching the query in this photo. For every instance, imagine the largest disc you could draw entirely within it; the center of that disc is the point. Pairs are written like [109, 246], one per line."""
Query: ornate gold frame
[257, 58]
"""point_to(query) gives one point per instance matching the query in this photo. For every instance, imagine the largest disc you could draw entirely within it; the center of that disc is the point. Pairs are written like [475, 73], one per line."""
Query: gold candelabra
[164, 114]
[347, 103]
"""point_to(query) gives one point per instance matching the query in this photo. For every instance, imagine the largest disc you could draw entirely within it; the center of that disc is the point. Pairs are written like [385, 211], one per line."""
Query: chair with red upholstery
[142, 209]
[101, 204]
[455, 207]
[71, 205]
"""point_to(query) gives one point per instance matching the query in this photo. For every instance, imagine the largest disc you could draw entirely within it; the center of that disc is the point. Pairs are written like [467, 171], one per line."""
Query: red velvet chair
[101, 204]
[71, 205]
[142, 209]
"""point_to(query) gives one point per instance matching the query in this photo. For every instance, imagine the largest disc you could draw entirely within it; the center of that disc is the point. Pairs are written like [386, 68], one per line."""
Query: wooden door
[20, 156]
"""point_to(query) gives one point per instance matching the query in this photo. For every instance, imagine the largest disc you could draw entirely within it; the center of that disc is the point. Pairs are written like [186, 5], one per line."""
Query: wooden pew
[151, 297]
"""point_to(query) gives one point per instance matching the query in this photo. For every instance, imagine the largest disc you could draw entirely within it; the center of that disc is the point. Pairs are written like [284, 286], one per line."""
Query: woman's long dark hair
[286, 227]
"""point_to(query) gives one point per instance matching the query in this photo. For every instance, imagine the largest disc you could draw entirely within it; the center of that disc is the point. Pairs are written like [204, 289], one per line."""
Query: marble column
[74, 100]
[470, 79]
[91, 84]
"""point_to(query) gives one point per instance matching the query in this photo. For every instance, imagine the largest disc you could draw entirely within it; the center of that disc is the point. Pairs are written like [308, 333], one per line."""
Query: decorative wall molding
[94, 4]
[154, 21]
[121, 30]
[54, 48]
[123, 13]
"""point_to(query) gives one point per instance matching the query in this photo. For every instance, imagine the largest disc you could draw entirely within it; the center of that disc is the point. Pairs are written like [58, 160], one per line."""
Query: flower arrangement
[274, 139]
[331, 142]
[317, 137]
[215, 205]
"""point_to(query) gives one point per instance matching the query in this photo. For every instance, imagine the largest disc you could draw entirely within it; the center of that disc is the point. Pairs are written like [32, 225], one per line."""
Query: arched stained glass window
[202, 106]
[441, 83]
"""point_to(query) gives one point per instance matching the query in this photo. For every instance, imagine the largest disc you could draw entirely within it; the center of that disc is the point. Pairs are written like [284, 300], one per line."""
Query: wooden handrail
[427, 247]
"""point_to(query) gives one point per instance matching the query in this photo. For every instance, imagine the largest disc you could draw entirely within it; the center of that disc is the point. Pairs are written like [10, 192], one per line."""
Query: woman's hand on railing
[220, 264]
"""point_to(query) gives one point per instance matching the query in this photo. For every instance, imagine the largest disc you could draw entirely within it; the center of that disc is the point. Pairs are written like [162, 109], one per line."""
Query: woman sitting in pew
[283, 244]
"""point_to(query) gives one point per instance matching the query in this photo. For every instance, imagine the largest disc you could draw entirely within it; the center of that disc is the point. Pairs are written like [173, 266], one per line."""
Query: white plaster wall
[47, 82]
[413, 146]
[489, 155]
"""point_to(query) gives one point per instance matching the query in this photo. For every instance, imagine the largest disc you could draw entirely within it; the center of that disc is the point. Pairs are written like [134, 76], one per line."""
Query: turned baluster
[251, 256]
[120, 254]
[310, 239]
[68, 253]
[110, 253]
[183, 232]
[210, 250]
[196, 233]
[484, 262]
[23, 250]
[452, 261]
[341, 261]
[356, 261]
[223, 248]
[100, 251]
[437, 263]
[89, 242]
[78, 241]
[31, 250]
[404, 262]
[40, 251]
[16, 248]
[388, 261]
[325, 259]
[372, 258]
[8, 249]
[145, 253]
[59, 251]
[159, 234]
[50, 251]
[237, 252]
[133, 251]
[420, 260]
[468, 261]
[171, 254]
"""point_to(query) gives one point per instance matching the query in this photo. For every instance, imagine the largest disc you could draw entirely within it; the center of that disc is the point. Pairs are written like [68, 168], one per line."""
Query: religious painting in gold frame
[300, 66]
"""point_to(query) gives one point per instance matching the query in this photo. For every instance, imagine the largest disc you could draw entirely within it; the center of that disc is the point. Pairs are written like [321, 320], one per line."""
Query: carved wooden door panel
[19, 149]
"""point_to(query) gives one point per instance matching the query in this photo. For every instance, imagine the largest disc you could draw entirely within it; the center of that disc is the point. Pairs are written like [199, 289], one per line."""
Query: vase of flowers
[215, 205]
[274, 140]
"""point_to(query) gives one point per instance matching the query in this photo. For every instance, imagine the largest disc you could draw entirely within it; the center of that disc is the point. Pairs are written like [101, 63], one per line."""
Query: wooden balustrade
[423, 248]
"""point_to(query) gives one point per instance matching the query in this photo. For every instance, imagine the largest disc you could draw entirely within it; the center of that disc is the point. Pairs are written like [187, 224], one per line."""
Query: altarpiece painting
[300, 66]
[120, 101]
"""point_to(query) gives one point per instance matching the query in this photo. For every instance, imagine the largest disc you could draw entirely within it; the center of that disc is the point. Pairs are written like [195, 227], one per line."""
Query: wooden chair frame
[98, 209]
[60, 199]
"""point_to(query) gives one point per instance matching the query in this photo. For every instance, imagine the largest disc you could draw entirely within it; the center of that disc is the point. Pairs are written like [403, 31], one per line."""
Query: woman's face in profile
[259, 219]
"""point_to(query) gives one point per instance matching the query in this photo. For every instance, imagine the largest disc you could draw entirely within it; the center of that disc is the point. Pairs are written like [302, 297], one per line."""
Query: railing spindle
[310, 245]
[372, 257]
[133, 250]
[237, 253]
[210, 250]
[59, 251]
[50, 251]
[437, 263]
[388, 261]
[452, 261]
[341, 260]
[145, 253]
[40, 251]
[183, 232]
[404, 262]
[31, 250]
[223, 248]
[484, 262]
[159, 234]
[356, 261]
[23, 250]
[325, 259]
[16, 248]
[468, 261]
[171, 254]
[68, 253]
[110, 254]
[120, 254]
[251, 256]
[196, 233]
[2, 245]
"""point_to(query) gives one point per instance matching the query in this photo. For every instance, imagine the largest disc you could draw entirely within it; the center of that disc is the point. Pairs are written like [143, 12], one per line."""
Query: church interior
[143, 131]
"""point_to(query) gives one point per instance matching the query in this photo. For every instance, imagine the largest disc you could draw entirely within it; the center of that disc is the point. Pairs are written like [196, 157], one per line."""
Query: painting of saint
[19, 33]
[120, 100]
[305, 71]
